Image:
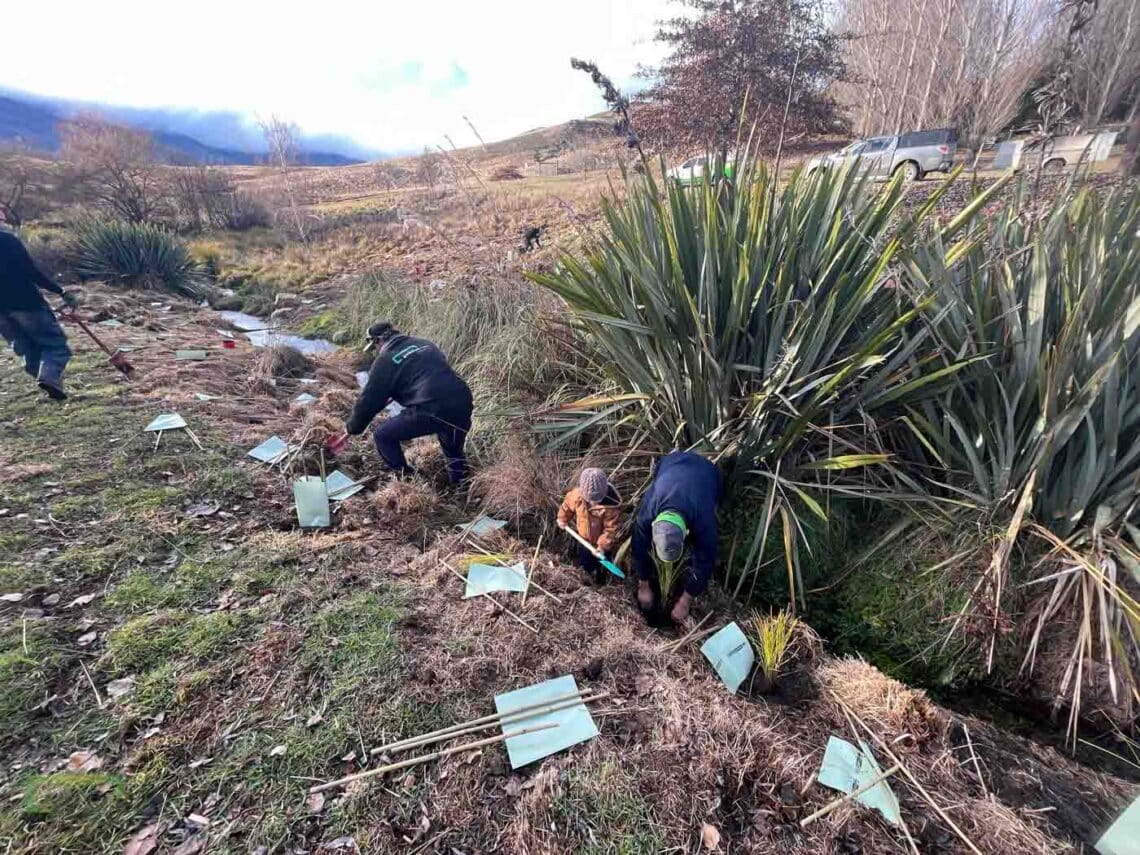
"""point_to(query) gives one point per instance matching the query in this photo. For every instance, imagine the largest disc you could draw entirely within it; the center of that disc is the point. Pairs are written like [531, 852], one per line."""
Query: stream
[261, 335]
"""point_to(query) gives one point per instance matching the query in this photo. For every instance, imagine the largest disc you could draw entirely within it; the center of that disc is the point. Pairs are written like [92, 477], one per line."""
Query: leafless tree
[281, 139]
[208, 198]
[428, 167]
[1106, 62]
[115, 168]
[23, 186]
[916, 64]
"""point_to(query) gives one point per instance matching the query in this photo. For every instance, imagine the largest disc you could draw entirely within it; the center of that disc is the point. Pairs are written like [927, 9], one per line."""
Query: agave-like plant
[1041, 431]
[753, 323]
[136, 254]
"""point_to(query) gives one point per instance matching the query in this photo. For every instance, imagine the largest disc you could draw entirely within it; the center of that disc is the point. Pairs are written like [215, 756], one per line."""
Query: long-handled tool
[117, 357]
[597, 553]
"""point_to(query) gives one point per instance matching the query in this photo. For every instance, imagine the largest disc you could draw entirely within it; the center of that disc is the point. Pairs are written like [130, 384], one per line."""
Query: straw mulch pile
[676, 743]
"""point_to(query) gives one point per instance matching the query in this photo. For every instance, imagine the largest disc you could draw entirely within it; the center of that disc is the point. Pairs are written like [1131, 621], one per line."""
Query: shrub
[136, 254]
[507, 172]
[1036, 437]
[750, 322]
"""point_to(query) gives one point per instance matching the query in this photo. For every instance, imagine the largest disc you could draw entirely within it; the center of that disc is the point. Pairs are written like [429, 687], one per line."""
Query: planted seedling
[670, 575]
[772, 636]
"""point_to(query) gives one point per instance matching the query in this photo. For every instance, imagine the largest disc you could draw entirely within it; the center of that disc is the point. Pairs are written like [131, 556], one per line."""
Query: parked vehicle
[692, 171]
[914, 154]
[1056, 153]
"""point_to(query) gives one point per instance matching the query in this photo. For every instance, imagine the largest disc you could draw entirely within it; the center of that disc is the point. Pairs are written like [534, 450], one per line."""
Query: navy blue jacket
[414, 373]
[689, 485]
[20, 279]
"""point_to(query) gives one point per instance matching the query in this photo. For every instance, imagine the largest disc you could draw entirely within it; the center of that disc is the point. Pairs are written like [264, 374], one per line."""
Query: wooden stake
[492, 599]
[974, 757]
[826, 809]
[676, 645]
[576, 695]
[533, 564]
[505, 719]
[403, 764]
[921, 789]
[194, 437]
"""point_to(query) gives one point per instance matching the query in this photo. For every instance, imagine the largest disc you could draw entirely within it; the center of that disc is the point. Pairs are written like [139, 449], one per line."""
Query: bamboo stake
[974, 757]
[533, 564]
[503, 721]
[194, 437]
[676, 645]
[854, 794]
[529, 574]
[492, 599]
[400, 743]
[910, 777]
[403, 764]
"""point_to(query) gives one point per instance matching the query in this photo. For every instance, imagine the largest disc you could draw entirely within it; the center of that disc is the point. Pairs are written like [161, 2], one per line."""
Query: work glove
[336, 443]
[70, 299]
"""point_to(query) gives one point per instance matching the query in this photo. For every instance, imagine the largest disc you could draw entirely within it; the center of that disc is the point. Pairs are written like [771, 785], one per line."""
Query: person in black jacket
[679, 507]
[414, 373]
[26, 320]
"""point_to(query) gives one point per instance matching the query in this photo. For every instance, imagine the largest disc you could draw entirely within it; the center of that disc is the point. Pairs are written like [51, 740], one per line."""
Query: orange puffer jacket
[599, 524]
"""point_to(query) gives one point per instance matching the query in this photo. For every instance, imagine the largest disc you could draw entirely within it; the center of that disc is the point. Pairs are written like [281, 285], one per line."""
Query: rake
[117, 357]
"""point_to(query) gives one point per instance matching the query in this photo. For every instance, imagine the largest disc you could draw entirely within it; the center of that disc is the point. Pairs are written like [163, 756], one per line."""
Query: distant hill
[34, 123]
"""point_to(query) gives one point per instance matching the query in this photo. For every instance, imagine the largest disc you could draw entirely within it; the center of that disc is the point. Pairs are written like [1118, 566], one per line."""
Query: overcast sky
[393, 75]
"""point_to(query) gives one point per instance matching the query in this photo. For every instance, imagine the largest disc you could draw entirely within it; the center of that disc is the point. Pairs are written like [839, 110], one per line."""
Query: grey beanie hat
[593, 484]
[668, 540]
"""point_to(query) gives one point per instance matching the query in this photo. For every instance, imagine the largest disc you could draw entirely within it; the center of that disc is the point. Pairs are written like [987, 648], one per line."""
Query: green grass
[28, 662]
[601, 813]
[214, 635]
[145, 642]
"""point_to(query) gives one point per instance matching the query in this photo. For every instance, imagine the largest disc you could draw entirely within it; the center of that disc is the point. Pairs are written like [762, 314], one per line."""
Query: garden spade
[117, 357]
[601, 556]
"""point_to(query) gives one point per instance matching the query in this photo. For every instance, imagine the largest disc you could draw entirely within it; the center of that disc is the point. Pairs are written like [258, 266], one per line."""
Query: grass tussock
[520, 481]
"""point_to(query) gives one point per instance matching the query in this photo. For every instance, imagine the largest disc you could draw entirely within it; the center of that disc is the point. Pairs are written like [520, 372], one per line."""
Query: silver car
[914, 154]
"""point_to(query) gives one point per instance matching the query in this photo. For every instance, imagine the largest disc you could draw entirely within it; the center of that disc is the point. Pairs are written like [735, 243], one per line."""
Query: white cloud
[394, 75]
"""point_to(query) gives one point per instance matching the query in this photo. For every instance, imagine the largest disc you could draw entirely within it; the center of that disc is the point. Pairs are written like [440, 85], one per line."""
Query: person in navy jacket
[679, 509]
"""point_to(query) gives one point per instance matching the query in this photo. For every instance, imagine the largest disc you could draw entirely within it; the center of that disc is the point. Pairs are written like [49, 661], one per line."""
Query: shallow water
[255, 330]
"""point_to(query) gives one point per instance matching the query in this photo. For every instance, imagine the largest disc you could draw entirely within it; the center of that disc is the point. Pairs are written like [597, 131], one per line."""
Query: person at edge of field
[593, 507]
[678, 509]
[27, 322]
[415, 374]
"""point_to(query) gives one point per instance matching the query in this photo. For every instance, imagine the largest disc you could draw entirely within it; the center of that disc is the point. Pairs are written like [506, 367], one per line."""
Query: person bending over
[414, 373]
[679, 508]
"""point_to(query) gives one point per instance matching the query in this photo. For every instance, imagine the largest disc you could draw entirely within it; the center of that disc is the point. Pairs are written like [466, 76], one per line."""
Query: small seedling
[772, 636]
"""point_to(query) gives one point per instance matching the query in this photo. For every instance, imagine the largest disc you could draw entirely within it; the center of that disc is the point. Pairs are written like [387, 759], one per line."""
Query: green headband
[674, 518]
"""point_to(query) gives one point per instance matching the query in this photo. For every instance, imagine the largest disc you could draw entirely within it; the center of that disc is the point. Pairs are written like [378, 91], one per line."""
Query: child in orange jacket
[594, 508]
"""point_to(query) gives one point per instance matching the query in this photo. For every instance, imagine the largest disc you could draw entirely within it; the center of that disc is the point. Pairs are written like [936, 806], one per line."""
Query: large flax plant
[1041, 434]
[753, 323]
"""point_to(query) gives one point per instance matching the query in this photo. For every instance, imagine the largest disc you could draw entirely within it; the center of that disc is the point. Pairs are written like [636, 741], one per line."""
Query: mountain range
[32, 122]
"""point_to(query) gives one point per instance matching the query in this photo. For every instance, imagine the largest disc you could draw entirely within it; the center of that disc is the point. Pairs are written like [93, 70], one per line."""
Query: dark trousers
[592, 566]
[36, 335]
[451, 431]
